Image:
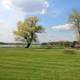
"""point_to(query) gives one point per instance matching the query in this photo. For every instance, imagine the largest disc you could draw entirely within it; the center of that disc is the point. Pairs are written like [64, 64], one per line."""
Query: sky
[53, 15]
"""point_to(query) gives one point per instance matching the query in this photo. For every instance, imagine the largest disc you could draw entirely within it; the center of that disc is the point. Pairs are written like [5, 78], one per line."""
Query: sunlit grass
[39, 64]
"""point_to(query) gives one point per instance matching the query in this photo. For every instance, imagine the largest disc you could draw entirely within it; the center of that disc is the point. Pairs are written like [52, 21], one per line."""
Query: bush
[47, 46]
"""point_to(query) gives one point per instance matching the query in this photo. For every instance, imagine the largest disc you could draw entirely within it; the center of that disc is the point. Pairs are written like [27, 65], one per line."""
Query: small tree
[27, 30]
[74, 18]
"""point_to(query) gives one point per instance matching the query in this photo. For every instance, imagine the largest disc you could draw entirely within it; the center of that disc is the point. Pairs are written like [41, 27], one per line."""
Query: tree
[27, 30]
[74, 18]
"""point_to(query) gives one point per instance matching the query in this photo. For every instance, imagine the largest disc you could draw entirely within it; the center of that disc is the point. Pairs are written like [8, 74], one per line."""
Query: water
[11, 45]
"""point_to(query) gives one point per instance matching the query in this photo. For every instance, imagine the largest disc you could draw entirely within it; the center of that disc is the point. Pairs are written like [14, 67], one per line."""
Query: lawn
[39, 64]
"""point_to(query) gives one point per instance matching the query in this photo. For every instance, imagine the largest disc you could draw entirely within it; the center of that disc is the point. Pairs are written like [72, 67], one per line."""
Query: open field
[39, 64]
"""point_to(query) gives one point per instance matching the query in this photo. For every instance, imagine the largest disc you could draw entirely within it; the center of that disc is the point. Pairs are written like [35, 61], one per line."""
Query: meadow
[39, 64]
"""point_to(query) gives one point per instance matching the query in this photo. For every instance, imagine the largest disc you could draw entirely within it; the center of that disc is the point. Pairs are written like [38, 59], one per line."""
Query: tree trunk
[30, 41]
[28, 45]
[73, 44]
[79, 36]
[78, 27]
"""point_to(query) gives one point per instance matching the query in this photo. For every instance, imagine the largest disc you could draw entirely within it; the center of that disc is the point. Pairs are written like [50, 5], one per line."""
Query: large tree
[27, 30]
[74, 18]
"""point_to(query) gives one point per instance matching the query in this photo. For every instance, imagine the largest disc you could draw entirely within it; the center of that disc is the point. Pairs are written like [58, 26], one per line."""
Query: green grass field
[39, 64]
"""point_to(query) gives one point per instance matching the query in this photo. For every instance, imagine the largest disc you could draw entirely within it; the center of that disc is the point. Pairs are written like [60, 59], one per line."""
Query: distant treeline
[61, 44]
[58, 44]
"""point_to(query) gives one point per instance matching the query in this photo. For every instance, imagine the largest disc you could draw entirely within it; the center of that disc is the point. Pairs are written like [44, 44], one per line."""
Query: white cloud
[7, 3]
[6, 32]
[27, 6]
[63, 27]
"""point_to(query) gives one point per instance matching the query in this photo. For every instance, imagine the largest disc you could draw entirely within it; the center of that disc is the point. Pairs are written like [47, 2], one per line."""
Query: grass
[39, 64]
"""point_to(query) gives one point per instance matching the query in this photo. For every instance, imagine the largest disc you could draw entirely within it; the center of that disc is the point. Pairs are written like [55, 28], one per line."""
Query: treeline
[59, 44]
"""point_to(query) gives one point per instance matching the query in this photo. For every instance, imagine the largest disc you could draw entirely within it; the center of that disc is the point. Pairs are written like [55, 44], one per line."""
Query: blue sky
[53, 15]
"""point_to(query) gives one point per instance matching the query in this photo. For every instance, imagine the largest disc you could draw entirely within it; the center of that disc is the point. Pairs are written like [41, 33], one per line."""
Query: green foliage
[46, 46]
[74, 16]
[60, 44]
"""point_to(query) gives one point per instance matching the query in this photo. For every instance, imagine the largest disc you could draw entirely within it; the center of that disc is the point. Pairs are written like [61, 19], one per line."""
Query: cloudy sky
[53, 16]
